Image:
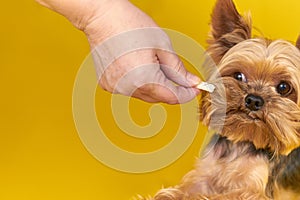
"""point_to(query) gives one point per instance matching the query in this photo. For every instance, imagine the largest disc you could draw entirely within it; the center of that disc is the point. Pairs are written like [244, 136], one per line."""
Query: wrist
[116, 16]
[91, 10]
[79, 12]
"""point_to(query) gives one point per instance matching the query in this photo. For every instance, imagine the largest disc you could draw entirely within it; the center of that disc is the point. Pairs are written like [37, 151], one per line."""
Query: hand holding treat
[102, 19]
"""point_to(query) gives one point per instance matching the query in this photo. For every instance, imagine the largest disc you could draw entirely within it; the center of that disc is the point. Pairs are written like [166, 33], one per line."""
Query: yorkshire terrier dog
[256, 154]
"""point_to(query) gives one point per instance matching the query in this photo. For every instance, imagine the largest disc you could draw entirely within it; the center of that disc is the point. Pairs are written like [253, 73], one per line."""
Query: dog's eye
[284, 88]
[240, 76]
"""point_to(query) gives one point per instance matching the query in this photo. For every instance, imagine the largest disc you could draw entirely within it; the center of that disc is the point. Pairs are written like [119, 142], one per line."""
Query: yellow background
[41, 156]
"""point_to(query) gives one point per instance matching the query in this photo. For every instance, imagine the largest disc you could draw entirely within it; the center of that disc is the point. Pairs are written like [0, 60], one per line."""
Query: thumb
[175, 71]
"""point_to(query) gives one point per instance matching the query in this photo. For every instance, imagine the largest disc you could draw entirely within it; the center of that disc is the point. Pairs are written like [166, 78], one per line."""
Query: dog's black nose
[254, 102]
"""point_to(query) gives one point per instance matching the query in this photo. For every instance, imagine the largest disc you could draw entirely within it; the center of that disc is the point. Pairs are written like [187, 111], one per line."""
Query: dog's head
[261, 81]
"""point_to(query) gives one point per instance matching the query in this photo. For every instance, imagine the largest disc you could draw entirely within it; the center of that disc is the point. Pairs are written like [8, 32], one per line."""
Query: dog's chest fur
[226, 167]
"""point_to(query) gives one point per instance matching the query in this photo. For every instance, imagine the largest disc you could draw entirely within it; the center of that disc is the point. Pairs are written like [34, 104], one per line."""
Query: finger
[145, 97]
[165, 91]
[148, 80]
[174, 69]
[171, 94]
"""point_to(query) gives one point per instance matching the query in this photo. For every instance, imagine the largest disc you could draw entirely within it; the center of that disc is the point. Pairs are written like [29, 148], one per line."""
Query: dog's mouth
[255, 116]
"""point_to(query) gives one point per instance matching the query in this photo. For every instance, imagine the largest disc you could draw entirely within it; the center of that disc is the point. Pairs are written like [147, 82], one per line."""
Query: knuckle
[103, 84]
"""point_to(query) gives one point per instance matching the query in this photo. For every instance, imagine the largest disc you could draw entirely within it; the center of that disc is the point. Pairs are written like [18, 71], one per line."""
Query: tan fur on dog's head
[261, 81]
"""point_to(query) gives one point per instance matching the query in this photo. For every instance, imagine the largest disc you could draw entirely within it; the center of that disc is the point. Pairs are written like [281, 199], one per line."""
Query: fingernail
[194, 80]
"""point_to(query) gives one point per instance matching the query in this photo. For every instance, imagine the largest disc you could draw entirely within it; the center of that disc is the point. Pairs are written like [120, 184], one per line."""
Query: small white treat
[206, 86]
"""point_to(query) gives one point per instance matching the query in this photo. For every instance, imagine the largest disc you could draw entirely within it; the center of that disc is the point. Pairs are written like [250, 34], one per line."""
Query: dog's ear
[228, 28]
[298, 42]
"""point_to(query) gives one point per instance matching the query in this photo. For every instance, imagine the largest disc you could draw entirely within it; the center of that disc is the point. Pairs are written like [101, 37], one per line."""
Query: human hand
[145, 72]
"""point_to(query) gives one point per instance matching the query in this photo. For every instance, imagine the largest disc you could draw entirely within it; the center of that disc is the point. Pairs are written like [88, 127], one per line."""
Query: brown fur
[255, 155]
[298, 42]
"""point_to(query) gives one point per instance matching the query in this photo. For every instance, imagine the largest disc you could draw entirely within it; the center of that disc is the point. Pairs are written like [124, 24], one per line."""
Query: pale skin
[102, 19]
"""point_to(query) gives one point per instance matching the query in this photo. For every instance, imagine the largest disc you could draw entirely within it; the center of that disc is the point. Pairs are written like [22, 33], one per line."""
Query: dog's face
[261, 83]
